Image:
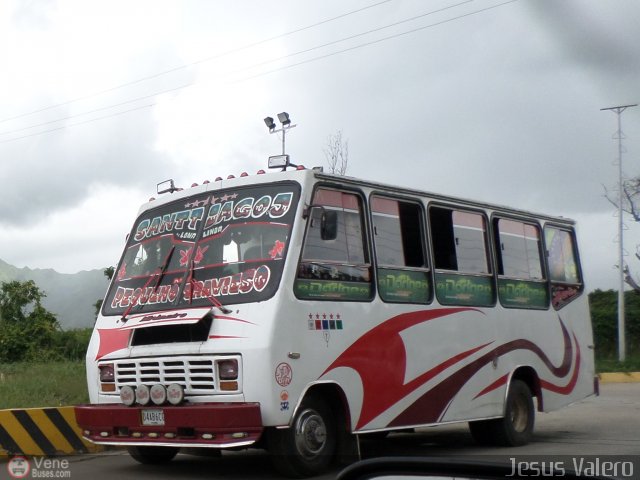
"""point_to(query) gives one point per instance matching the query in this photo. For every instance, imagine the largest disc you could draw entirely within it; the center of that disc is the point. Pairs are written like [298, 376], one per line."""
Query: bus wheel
[309, 446]
[153, 455]
[516, 427]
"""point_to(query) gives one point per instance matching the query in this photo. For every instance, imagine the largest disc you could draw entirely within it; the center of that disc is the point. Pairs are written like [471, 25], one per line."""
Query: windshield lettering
[126, 297]
[275, 206]
[167, 223]
[253, 279]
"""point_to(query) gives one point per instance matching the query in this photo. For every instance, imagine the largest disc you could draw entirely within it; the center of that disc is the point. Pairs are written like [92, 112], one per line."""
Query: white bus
[298, 310]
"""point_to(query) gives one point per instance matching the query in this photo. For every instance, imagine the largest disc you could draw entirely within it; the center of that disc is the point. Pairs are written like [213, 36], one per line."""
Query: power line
[286, 67]
[284, 57]
[79, 123]
[187, 65]
[373, 42]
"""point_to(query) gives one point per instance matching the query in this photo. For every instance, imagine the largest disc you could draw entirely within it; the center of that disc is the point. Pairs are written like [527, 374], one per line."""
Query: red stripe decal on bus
[112, 339]
[497, 384]
[431, 407]
[379, 357]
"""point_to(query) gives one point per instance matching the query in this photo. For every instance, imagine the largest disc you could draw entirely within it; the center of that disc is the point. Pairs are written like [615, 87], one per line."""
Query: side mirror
[329, 225]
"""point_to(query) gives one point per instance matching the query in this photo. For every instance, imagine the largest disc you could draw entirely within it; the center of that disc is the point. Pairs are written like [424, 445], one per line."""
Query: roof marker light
[218, 179]
[230, 177]
[261, 172]
[194, 185]
[206, 182]
[151, 199]
[300, 167]
[244, 174]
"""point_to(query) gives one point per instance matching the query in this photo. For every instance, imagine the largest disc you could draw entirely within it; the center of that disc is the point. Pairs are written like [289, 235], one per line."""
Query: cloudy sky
[486, 99]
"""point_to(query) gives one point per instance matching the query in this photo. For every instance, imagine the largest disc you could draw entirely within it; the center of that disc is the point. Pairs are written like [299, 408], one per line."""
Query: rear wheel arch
[515, 427]
[529, 376]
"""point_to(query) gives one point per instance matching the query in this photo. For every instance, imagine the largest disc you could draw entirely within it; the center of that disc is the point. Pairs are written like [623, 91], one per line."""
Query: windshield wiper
[160, 271]
[212, 299]
[164, 267]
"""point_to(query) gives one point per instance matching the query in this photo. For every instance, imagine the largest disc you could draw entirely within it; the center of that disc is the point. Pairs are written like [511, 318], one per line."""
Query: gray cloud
[56, 171]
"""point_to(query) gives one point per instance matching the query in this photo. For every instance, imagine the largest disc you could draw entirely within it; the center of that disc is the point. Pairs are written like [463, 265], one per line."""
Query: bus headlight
[228, 374]
[228, 369]
[107, 377]
[107, 373]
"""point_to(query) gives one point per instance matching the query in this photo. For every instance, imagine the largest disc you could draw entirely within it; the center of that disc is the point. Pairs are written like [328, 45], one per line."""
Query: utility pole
[622, 349]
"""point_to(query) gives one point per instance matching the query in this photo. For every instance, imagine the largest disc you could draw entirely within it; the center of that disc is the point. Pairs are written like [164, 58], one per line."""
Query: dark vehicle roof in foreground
[388, 468]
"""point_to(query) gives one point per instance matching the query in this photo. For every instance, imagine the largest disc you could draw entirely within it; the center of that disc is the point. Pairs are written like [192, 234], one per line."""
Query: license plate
[152, 417]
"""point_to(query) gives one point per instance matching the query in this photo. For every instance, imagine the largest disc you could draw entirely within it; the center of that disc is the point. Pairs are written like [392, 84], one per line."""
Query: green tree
[108, 272]
[604, 317]
[27, 329]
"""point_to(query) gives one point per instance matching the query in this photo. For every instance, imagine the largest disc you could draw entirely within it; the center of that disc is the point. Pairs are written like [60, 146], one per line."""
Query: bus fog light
[175, 394]
[208, 436]
[142, 395]
[158, 394]
[128, 395]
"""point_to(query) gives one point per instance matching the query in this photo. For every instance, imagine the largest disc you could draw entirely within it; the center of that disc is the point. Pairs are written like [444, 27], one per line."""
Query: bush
[29, 332]
[604, 316]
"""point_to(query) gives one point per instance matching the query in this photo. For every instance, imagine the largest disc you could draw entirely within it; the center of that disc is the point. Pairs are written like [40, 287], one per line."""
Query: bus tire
[516, 427]
[308, 447]
[153, 455]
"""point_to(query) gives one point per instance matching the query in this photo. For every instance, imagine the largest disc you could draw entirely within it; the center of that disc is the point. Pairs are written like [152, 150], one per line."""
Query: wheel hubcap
[519, 414]
[310, 433]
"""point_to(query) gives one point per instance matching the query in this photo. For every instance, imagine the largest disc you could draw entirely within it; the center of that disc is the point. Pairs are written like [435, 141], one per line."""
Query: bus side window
[521, 282]
[403, 274]
[564, 269]
[463, 273]
[335, 261]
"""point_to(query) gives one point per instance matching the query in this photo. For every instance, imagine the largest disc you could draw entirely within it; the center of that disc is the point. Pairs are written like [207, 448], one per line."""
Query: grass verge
[611, 364]
[53, 384]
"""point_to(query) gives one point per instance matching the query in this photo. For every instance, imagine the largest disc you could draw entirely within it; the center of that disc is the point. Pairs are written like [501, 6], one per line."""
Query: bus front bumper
[218, 425]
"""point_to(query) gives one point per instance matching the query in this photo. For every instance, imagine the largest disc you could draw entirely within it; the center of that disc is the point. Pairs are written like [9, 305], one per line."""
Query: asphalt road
[600, 426]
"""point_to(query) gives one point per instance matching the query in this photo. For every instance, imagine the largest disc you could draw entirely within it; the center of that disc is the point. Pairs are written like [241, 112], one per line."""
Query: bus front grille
[196, 375]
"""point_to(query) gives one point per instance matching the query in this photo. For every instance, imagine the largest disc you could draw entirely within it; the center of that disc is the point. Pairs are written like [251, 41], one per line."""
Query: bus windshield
[222, 247]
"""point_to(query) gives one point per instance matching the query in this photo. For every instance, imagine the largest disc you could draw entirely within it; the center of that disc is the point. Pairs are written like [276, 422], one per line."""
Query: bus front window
[225, 247]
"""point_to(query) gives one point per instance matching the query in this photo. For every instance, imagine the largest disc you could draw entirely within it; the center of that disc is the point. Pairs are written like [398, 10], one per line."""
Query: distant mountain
[70, 296]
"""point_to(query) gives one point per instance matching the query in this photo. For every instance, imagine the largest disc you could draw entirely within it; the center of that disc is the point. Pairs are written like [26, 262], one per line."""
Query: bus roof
[304, 176]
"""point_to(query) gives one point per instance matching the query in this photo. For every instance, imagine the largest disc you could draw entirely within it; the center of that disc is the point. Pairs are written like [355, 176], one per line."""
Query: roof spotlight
[268, 121]
[280, 161]
[284, 118]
